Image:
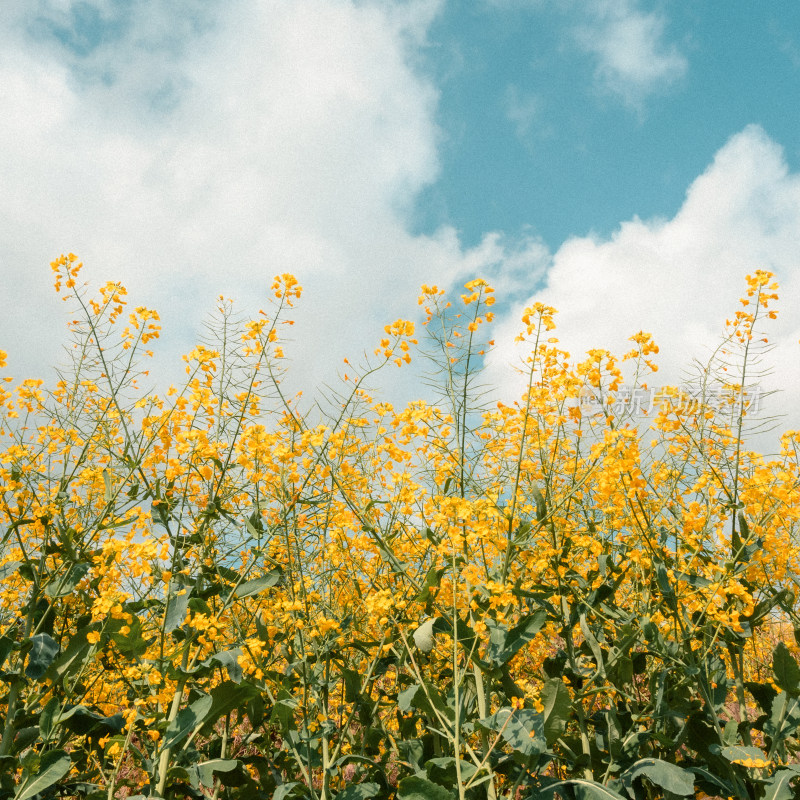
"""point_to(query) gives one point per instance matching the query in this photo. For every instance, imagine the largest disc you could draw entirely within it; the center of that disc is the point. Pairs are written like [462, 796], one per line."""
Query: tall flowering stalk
[223, 591]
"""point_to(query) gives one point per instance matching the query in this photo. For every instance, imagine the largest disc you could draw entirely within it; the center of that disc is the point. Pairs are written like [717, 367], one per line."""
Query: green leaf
[426, 698]
[557, 704]
[52, 767]
[745, 528]
[230, 660]
[739, 752]
[352, 758]
[187, 720]
[787, 673]
[413, 750]
[407, 698]
[692, 579]
[415, 788]
[433, 578]
[229, 696]
[131, 643]
[176, 609]
[763, 693]
[442, 771]
[204, 773]
[359, 791]
[664, 583]
[258, 585]
[80, 720]
[8, 569]
[668, 776]
[77, 648]
[352, 684]
[6, 646]
[777, 787]
[108, 494]
[784, 719]
[523, 729]
[64, 585]
[49, 712]
[589, 789]
[285, 790]
[541, 505]
[43, 652]
[505, 644]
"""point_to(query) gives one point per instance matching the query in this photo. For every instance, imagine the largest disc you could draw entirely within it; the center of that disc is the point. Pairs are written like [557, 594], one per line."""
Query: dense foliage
[220, 593]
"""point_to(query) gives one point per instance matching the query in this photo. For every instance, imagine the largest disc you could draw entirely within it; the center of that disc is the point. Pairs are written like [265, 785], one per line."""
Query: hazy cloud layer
[633, 56]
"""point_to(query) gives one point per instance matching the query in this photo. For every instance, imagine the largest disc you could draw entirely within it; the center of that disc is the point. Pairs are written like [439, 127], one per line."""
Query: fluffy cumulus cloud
[193, 149]
[680, 279]
[633, 56]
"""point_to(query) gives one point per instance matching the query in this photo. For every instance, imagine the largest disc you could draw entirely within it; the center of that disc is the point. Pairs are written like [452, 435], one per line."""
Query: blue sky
[537, 135]
[627, 161]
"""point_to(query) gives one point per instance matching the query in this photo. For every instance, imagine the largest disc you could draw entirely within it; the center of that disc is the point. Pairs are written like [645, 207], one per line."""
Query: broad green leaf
[739, 752]
[415, 788]
[229, 696]
[64, 585]
[692, 579]
[204, 773]
[52, 767]
[406, 698]
[77, 649]
[8, 569]
[523, 729]
[6, 646]
[412, 751]
[426, 698]
[285, 790]
[777, 788]
[764, 694]
[258, 585]
[187, 720]
[787, 673]
[176, 608]
[588, 789]
[668, 776]
[80, 720]
[359, 791]
[504, 644]
[25, 737]
[664, 583]
[541, 505]
[557, 704]
[712, 783]
[433, 578]
[351, 758]
[442, 771]
[130, 643]
[50, 712]
[352, 684]
[230, 660]
[785, 717]
[42, 654]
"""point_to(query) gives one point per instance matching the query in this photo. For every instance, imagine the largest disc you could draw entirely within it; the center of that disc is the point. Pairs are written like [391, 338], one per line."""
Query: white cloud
[294, 136]
[193, 149]
[633, 58]
[680, 279]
